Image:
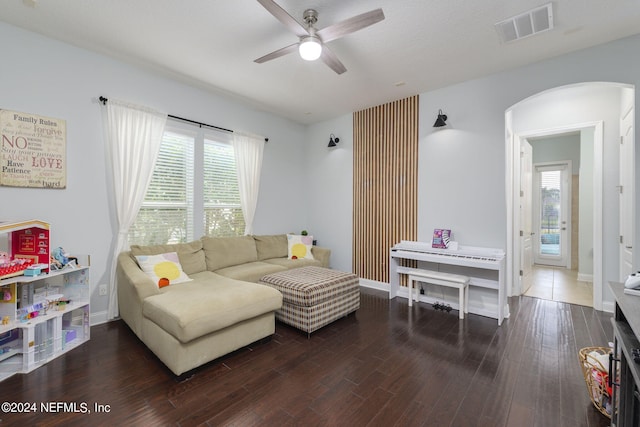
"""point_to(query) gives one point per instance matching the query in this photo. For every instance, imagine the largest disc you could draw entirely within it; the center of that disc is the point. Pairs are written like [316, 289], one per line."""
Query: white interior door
[627, 190]
[552, 187]
[526, 215]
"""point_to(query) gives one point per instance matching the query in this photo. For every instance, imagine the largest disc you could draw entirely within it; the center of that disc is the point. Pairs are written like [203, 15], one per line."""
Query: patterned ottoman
[314, 296]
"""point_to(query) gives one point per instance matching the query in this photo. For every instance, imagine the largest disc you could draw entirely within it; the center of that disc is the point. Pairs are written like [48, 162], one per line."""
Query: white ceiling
[423, 43]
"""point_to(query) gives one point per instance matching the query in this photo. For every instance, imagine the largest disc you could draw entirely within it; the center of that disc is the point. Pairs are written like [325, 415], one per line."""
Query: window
[193, 191]
[222, 209]
[550, 212]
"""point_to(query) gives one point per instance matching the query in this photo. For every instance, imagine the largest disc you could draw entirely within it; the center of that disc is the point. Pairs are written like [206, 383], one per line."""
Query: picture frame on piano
[441, 238]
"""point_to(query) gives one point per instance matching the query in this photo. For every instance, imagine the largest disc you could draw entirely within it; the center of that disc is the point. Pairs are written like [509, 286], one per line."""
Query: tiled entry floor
[560, 284]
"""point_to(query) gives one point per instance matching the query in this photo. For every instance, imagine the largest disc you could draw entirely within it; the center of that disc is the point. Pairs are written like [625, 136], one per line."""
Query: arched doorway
[593, 108]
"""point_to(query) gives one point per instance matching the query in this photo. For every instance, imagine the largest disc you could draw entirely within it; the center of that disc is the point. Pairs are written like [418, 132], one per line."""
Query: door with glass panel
[552, 186]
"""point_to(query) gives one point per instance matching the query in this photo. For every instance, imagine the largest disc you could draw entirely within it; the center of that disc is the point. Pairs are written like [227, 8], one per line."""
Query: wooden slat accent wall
[385, 184]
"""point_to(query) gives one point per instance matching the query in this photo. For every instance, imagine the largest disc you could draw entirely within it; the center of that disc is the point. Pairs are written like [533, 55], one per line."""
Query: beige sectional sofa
[220, 310]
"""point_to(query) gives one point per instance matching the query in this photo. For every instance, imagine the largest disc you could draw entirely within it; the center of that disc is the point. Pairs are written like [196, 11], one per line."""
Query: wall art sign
[32, 150]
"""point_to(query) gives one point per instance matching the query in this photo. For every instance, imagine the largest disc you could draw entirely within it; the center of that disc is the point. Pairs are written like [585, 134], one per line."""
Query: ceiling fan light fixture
[310, 48]
[310, 40]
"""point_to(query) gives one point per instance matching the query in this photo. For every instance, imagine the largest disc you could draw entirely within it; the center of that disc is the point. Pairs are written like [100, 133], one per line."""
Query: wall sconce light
[441, 120]
[333, 140]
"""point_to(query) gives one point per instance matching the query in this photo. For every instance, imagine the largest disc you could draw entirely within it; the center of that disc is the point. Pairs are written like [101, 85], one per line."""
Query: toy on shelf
[13, 267]
[61, 259]
[62, 304]
[35, 269]
[28, 243]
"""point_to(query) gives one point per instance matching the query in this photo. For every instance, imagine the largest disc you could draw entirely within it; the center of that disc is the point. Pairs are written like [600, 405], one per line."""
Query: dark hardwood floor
[389, 364]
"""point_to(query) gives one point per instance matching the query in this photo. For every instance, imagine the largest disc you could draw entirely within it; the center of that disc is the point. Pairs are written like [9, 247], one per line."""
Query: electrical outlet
[102, 290]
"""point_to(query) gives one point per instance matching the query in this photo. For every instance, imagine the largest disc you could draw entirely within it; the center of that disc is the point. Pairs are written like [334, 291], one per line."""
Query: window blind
[222, 209]
[165, 212]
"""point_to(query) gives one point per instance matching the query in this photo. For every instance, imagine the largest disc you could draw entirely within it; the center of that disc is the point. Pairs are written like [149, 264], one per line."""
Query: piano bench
[442, 279]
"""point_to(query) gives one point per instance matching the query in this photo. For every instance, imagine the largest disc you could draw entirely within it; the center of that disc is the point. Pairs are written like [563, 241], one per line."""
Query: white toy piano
[484, 266]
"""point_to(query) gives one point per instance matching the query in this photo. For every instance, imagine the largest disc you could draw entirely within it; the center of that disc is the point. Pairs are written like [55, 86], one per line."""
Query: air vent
[526, 24]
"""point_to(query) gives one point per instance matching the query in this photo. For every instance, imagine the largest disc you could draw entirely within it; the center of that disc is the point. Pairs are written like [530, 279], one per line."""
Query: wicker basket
[597, 378]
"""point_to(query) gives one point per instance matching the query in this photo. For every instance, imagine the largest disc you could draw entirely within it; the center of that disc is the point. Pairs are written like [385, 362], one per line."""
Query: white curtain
[133, 135]
[248, 151]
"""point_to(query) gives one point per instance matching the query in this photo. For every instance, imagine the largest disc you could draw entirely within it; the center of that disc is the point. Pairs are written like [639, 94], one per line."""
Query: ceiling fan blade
[330, 58]
[277, 54]
[282, 16]
[350, 25]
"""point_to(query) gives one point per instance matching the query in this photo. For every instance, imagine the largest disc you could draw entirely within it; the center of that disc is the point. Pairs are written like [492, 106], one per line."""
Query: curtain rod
[104, 102]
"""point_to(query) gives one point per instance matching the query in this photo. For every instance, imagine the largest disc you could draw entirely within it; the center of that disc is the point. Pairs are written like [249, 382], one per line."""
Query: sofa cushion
[163, 267]
[251, 271]
[207, 304]
[221, 252]
[299, 247]
[274, 246]
[293, 263]
[190, 254]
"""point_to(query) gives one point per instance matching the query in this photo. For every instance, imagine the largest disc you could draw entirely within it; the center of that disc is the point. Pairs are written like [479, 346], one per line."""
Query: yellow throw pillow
[299, 246]
[163, 266]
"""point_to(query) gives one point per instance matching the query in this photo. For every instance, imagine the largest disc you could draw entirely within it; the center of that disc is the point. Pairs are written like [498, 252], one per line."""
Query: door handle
[564, 228]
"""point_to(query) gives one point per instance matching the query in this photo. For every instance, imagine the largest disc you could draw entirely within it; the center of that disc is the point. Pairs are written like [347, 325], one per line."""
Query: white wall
[48, 78]
[558, 147]
[462, 169]
[330, 190]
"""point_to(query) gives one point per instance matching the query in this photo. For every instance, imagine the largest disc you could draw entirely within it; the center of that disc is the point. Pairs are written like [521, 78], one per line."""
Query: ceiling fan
[311, 45]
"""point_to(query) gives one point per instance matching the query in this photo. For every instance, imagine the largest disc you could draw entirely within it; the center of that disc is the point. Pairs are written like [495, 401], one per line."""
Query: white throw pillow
[300, 246]
[163, 266]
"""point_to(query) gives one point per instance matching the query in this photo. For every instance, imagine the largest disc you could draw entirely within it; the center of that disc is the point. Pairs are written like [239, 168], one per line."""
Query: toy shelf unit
[42, 317]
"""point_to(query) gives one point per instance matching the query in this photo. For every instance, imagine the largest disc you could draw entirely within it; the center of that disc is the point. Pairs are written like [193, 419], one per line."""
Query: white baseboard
[373, 284]
[608, 306]
[98, 318]
[585, 277]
